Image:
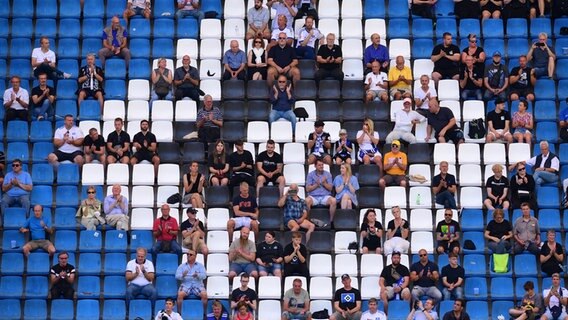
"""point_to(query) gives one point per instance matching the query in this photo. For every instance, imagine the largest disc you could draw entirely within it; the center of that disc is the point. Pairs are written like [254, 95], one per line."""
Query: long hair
[219, 157]
[370, 124]
[366, 216]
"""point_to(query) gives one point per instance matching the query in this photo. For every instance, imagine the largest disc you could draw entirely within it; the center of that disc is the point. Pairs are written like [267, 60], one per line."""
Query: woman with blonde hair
[90, 210]
[497, 189]
[368, 140]
[346, 186]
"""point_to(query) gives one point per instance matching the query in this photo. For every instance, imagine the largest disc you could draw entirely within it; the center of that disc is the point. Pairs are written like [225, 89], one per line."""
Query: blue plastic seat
[474, 265]
[502, 288]
[90, 45]
[139, 48]
[472, 220]
[41, 131]
[5, 8]
[140, 308]
[38, 263]
[163, 48]
[42, 195]
[493, 28]
[166, 263]
[141, 238]
[115, 69]
[374, 9]
[11, 309]
[562, 69]
[65, 107]
[3, 54]
[11, 287]
[558, 24]
[23, 9]
[69, 9]
[492, 45]
[18, 150]
[92, 28]
[115, 241]
[517, 47]
[562, 90]
[114, 287]
[517, 28]
[525, 265]
[546, 89]
[547, 197]
[17, 131]
[500, 308]
[67, 196]
[66, 240]
[40, 151]
[88, 287]
[547, 130]
[192, 309]
[445, 8]
[62, 309]
[90, 109]
[114, 263]
[68, 48]
[4, 28]
[539, 25]
[166, 285]
[94, 9]
[397, 9]
[8, 237]
[212, 5]
[90, 241]
[20, 48]
[22, 27]
[88, 309]
[476, 282]
[21, 68]
[399, 309]
[140, 68]
[139, 28]
[45, 28]
[115, 89]
[12, 264]
[68, 174]
[114, 309]
[35, 309]
[545, 110]
[446, 25]
[164, 28]
[69, 28]
[89, 263]
[42, 174]
[422, 28]
[114, 8]
[422, 48]
[187, 28]
[66, 89]
[163, 9]
[563, 151]
[14, 217]
[70, 66]
[478, 240]
[398, 28]
[36, 287]
[65, 218]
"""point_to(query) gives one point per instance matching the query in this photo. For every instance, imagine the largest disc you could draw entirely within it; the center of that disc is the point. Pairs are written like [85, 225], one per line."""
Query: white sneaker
[66, 75]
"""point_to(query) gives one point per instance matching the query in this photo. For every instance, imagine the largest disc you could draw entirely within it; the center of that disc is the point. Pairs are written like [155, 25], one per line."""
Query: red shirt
[167, 225]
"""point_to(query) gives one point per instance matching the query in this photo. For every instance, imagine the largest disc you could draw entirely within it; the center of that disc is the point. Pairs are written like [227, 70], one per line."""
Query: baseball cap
[319, 123]
[396, 142]
[342, 131]
[407, 100]
[345, 276]
[496, 53]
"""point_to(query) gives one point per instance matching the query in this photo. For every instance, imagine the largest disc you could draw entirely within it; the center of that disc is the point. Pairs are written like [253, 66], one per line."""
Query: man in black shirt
[319, 144]
[245, 210]
[453, 276]
[448, 234]
[458, 312]
[443, 121]
[94, 147]
[186, 79]
[329, 59]
[522, 80]
[498, 123]
[444, 187]
[118, 144]
[282, 60]
[244, 293]
[497, 189]
[269, 166]
[394, 280]
[43, 98]
[295, 257]
[193, 233]
[424, 274]
[471, 81]
[446, 58]
[242, 165]
[62, 277]
[146, 147]
[346, 301]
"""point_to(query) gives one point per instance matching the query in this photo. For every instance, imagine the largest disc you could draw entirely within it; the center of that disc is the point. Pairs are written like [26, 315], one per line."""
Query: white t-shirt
[138, 3]
[376, 79]
[173, 316]
[75, 133]
[379, 315]
[366, 144]
[303, 34]
[289, 33]
[403, 120]
[22, 94]
[140, 280]
[420, 94]
[40, 55]
[553, 299]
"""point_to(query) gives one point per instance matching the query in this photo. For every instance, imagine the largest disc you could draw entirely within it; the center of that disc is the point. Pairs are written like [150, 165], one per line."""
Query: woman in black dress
[372, 233]
[256, 60]
[551, 254]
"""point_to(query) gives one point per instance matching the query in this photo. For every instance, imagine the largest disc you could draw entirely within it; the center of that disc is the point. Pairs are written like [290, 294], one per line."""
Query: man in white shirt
[373, 313]
[555, 300]
[404, 121]
[168, 312]
[281, 27]
[546, 165]
[376, 84]
[16, 101]
[140, 274]
[425, 95]
[307, 37]
[69, 141]
[137, 7]
[43, 61]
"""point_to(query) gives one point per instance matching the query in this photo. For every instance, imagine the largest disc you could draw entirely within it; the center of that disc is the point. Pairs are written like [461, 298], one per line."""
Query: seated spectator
[39, 227]
[242, 312]
[376, 84]
[319, 144]
[165, 231]
[523, 123]
[242, 255]
[139, 276]
[471, 80]
[257, 18]
[395, 165]
[373, 312]
[285, 8]
[282, 61]
[91, 78]
[256, 59]
[400, 80]
[218, 165]
[186, 79]
[522, 188]
[209, 122]
[162, 80]
[137, 7]
[453, 276]
[444, 187]
[269, 256]
[498, 123]
[474, 51]
[16, 101]
[394, 281]
[343, 148]
[319, 185]
[467, 9]
[371, 233]
[90, 211]
[243, 294]
[555, 299]
[563, 124]
[497, 189]
[531, 304]
[442, 120]
[448, 234]
[94, 147]
[515, 9]
[329, 59]
[546, 165]
[193, 183]
[346, 301]
[306, 8]
[68, 140]
[295, 256]
[191, 274]
[218, 312]
[424, 310]
[425, 95]
[189, 8]
[491, 9]
[168, 312]
[526, 232]
[424, 275]
[269, 166]
[404, 122]
[498, 233]
[539, 8]
[146, 147]
[234, 62]
[457, 312]
[296, 303]
[368, 140]
[307, 37]
[193, 233]
[398, 231]
[115, 39]
[542, 57]
[281, 28]
[118, 143]
[376, 52]
[551, 254]
[295, 211]
[424, 8]
[522, 80]
[242, 166]
[62, 277]
[43, 61]
[16, 187]
[496, 79]
[446, 58]
[282, 99]
[43, 98]
[346, 186]
[116, 209]
[245, 210]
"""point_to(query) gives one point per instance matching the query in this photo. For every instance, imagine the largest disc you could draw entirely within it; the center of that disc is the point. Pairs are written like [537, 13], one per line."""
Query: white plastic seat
[234, 9]
[210, 49]
[132, 127]
[108, 127]
[448, 89]
[186, 111]
[217, 218]
[351, 29]
[420, 197]
[237, 283]
[218, 241]
[118, 173]
[333, 128]
[346, 264]
[471, 198]
[404, 260]
[328, 25]
[163, 110]
[488, 171]
[422, 66]
[139, 89]
[421, 169]
[320, 265]
[440, 216]
[269, 287]
[163, 130]
[519, 152]
[138, 110]
[455, 106]
[234, 28]
[351, 9]
[395, 106]
[353, 69]
[394, 196]
[469, 153]
[444, 152]
[217, 264]
[321, 288]
[421, 240]
[141, 219]
[370, 287]
[421, 130]
[163, 193]
[342, 241]
[143, 174]
[495, 153]
[467, 138]
[400, 47]
[470, 175]
[371, 265]
[473, 109]
[188, 47]
[303, 131]
[317, 305]
[257, 131]
[210, 69]
[269, 309]
[86, 125]
[421, 220]
[210, 28]
[211, 87]
[168, 174]
[310, 107]
[218, 287]
[262, 147]
[352, 48]
[92, 174]
[328, 9]
[113, 109]
[294, 173]
[142, 196]
[375, 26]
[281, 131]
[294, 152]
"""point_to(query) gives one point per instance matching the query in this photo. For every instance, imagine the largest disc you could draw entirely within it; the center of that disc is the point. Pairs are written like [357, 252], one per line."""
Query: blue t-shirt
[563, 116]
[34, 224]
[23, 177]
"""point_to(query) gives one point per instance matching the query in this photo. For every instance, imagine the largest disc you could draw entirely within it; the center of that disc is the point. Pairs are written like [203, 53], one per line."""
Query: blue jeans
[180, 14]
[44, 110]
[9, 201]
[446, 199]
[457, 293]
[541, 177]
[154, 97]
[469, 94]
[174, 248]
[141, 292]
[306, 52]
[502, 246]
[288, 115]
[489, 95]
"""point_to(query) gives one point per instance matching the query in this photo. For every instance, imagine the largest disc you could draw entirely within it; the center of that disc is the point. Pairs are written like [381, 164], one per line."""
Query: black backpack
[476, 129]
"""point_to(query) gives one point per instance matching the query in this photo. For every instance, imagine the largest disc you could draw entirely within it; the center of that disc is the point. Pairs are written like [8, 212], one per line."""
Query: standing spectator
[146, 147]
[118, 144]
[424, 275]
[90, 210]
[162, 80]
[400, 80]
[448, 234]
[115, 39]
[498, 233]
[306, 8]
[282, 61]
[116, 209]
[425, 95]
[395, 164]
[376, 52]
[467, 9]
[522, 80]
[404, 122]
[538, 8]
[68, 140]
[218, 312]
[376, 84]
[551, 254]
[394, 281]
[242, 165]
[368, 140]
[555, 300]
[16, 101]
[242, 255]
[442, 120]
[423, 311]
[16, 187]
[193, 233]
[531, 304]
[91, 78]
[209, 122]
[526, 232]
[296, 303]
[269, 166]
[453, 276]
[295, 256]
[165, 231]
[94, 147]
[269, 256]
[515, 9]
[189, 8]
[139, 276]
[546, 165]
[496, 79]
[282, 101]
[458, 311]
[497, 190]
[258, 17]
[398, 231]
[43, 61]
[475, 52]
[191, 274]
[522, 188]
[307, 37]
[285, 8]
[424, 8]
[137, 7]
[218, 165]
[256, 60]
[62, 277]
[491, 9]
[329, 59]
[168, 312]
[234, 62]
[244, 294]
[471, 80]
[346, 186]
[371, 233]
[43, 98]
[186, 79]
[522, 123]
[282, 28]
[295, 211]
[343, 148]
[39, 227]
[542, 57]
[444, 187]
[346, 301]
[245, 210]
[319, 185]
[193, 183]
[446, 58]
[373, 313]
[319, 144]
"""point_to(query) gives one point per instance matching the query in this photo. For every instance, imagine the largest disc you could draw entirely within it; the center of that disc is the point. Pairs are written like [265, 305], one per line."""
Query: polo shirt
[282, 56]
[75, 133]
[441, 119]
[380, 54]
[325, 52]
[180, 73]
[234, 59]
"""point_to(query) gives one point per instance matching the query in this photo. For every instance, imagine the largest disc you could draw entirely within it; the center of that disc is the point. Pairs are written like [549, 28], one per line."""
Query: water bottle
[418, 200]
[396, 295]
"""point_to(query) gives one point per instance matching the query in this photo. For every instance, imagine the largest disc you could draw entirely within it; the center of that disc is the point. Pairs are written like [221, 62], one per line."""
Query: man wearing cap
[404, 121]
[193, 233]
[400, 80]
[496, 79]
[424, 274]
[394, 280]
[499, 123]
[346, 301]
[319, 144]
[395, 163]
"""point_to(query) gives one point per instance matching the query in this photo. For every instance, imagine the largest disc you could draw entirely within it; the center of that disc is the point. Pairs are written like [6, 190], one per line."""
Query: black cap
[499, 101]
[319, 123]
[345, 276]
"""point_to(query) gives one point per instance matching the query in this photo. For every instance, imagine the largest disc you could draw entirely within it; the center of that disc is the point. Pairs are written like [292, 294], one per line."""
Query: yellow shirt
[395, 170]
[394, 73]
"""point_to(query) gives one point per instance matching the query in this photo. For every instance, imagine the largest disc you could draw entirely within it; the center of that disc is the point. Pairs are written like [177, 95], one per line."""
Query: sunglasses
[91, 192]
[394, 146]
[472, 41]
[521, 169]
[423, 255]
[279, 38]
[15, 165]
[281, 81]
[258, 42]
[447, 215]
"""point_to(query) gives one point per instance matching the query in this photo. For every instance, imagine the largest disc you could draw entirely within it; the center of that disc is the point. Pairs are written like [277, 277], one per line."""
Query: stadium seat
[62, 309]
[481, 285]
[218, 287]
[12, 264]
[399, 47]
[478, 309]
[474, 265]
[36, 287]
[493, 28]
[539, 25]
[398, 28]
[374, 9]
[35, 309]
[89, 263]
[398, 309]
[88, 309]
[448, 90]
[446, 25]
[547, 131]
[517, 28]
[494, 153]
